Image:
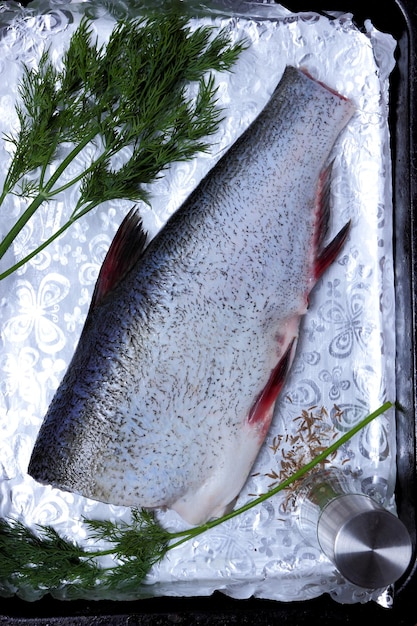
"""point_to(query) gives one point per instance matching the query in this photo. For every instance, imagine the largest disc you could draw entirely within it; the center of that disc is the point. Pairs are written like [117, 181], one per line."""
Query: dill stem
[6, 190]
[41, 247]
[45, 165]
[46, 192]
[194, 532]
[21, 222]
[75, 180]
[68, 160]
[98, 553]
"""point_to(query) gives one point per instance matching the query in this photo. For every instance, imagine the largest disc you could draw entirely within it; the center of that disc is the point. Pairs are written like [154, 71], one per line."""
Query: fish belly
[171, 390]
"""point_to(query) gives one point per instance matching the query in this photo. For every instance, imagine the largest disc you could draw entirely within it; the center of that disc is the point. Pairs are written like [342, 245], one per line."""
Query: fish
[189, 337]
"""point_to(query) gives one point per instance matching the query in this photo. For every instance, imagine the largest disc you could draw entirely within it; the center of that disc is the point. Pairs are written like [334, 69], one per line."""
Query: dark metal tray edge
[400, 19]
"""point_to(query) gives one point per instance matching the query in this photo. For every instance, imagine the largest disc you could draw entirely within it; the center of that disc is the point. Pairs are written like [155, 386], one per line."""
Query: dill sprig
[137, 545]
[131, 96]
[44, 561]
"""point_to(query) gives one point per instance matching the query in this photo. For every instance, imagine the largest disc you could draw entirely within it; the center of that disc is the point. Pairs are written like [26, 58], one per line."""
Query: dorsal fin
[127, 246]
[326, 256]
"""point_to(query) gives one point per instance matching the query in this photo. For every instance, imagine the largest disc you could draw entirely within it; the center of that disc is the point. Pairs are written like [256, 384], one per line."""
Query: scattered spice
[314, 434]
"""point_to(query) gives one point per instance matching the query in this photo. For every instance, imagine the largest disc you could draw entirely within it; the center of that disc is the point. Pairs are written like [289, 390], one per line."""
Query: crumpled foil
[346, 354]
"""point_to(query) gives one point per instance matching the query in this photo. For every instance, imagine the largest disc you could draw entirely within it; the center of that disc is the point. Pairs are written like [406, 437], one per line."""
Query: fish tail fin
[328, 254]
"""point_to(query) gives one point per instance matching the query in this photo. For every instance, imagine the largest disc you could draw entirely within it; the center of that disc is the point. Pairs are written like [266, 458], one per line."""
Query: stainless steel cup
[369, 545]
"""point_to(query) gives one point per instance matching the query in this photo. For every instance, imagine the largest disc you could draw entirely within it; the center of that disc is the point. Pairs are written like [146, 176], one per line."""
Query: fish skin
[163, 403]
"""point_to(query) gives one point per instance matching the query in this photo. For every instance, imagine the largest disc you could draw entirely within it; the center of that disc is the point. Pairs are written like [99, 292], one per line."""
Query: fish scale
[188, 342]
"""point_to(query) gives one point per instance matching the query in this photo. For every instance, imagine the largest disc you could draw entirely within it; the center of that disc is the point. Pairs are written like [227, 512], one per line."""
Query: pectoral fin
[265, 402]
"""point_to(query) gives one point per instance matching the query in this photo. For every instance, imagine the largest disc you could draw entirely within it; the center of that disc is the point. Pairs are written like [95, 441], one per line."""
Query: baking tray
[399, 18]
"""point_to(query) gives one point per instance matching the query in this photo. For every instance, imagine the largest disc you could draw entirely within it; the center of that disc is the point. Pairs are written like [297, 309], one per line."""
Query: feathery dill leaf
[143, 539]
[44, 560]
[129, 96]
[138, 546]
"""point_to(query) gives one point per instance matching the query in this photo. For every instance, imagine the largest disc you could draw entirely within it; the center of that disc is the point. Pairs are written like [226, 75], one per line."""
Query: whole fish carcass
[188, 340]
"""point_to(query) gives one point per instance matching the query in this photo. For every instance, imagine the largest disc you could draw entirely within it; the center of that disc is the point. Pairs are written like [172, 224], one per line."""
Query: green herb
[130, 98]
[44, 561]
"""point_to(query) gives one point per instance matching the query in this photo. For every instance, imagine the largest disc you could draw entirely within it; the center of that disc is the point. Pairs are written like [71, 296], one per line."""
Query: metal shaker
[369, 545]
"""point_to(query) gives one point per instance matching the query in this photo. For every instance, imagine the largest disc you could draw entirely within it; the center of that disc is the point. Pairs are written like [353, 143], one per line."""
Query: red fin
[125, 249]
[269, 394]
[330, 252]
[326, 256]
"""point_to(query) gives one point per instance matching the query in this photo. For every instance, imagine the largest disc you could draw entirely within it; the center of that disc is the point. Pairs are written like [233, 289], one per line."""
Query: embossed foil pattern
[346, 353]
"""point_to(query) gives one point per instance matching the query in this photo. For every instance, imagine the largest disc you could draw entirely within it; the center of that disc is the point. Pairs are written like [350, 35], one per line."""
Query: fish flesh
[189, 338]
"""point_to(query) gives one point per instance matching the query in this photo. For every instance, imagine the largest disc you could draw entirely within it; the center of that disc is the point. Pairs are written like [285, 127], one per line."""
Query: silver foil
[346, 353]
